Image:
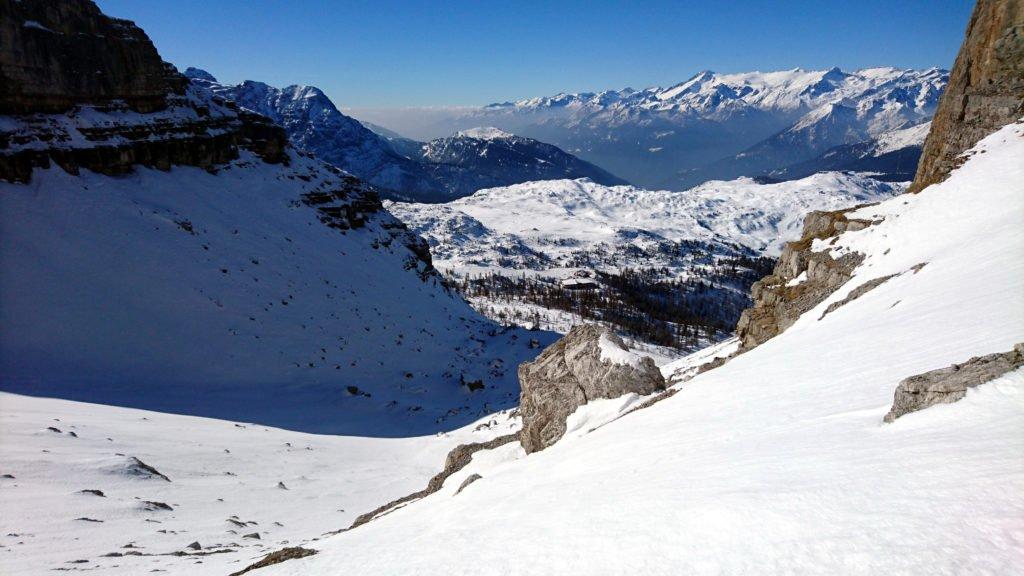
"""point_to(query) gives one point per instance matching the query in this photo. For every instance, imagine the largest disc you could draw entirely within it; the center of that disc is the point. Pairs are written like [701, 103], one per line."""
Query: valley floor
[238, 489]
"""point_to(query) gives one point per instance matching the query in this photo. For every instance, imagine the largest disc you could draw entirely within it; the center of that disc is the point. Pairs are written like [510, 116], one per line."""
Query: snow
[485, 133]
[217, 469]
[779, 460]
[558, 217]
[798, 280]
[902, 138]
[260, 313]
[36, 25]
[686, 367]
[612, 352]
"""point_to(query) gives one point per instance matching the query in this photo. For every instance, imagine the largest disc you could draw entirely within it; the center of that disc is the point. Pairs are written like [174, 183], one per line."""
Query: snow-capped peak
[485, 133]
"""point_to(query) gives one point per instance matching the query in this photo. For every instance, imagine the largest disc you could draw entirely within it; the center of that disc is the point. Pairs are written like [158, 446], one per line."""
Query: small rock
[469, 480]
[254, 535]
[194, 546]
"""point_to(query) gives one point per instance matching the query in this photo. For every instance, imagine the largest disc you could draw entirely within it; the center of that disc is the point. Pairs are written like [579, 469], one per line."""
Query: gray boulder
[587, 363]
[947, 385]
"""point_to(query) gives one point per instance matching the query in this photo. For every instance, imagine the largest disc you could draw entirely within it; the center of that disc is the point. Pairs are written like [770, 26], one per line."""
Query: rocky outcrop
[587, 363]
[985, 91]
[802, 279]
[457, 459]
[291, 553]
[54, 55]
[947, 385]
[86, 91]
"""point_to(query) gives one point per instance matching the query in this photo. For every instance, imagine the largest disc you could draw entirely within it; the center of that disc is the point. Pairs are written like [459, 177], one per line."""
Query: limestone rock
[985, 91]
[802, 279]
[947, 385]
[469, 480]
[56, 54]
[587, 363]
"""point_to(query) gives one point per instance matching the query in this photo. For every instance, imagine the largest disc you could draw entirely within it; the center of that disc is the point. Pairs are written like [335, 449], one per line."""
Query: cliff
[985, 91]
[82, 90]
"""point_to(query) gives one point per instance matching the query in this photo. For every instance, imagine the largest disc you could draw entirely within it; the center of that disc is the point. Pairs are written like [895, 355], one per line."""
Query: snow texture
[779, 460]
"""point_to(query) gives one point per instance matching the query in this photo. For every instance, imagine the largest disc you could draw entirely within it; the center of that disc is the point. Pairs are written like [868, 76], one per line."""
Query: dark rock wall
[54, 54]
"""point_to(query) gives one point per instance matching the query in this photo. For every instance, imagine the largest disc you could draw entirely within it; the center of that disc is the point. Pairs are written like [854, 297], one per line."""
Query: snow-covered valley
[231, 343]
[553, 254]
[779, 459]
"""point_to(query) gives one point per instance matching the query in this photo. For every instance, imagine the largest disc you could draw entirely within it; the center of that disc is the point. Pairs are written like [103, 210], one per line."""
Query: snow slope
[224, 295]
[224, 485]
[779, 461]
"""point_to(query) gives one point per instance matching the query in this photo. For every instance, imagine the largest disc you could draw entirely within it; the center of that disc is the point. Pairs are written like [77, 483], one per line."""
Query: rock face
[985, 91]
[947, 385]
[801, 280]
[120, 103]
[50, 53]
[587, 363]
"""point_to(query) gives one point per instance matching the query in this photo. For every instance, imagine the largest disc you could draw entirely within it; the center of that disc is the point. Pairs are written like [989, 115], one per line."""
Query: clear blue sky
[382, 53]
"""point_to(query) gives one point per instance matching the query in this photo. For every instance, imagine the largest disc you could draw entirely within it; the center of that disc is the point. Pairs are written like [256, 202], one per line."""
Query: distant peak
[199, 74]
[485, 133]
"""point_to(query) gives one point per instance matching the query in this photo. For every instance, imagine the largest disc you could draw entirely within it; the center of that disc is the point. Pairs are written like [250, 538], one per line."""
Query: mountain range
[712, 126]
[439, 170]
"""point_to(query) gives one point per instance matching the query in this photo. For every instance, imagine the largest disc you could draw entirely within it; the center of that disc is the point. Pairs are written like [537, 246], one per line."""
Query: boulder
[587, 363]
[947, 385]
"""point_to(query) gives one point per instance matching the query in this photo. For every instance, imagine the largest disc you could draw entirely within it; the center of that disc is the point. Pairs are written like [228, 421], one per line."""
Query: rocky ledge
[82, 90]
[587, 363]
[802, 279]
[947, 385]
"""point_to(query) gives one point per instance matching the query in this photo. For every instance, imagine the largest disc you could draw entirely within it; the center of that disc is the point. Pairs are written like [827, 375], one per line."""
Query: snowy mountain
[439, 170]
[892, 156]
[717, 126]
[485, 157]
[314, 124]
[519, 252]
[780, 458]
[163, 250]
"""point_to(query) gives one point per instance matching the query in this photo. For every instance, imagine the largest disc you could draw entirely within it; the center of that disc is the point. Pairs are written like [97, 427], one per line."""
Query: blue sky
[380, 54]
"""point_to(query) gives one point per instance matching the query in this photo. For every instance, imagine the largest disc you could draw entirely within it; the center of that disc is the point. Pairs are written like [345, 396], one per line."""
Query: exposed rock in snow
[781, 297]
[950, 384]
[290, 553]
[469, 480]
[589, 362]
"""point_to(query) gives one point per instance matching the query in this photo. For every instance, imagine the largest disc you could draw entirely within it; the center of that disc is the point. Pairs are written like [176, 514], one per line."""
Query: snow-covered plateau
[528, 253]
